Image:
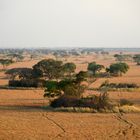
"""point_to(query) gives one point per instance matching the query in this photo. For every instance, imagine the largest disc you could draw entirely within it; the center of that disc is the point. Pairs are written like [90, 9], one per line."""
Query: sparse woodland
[63, 86]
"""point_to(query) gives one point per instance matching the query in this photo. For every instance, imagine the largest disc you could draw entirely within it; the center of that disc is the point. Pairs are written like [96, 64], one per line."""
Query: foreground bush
[96, 102]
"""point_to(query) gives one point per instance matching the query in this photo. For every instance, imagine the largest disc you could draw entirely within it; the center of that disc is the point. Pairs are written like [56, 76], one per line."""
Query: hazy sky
[70, 23]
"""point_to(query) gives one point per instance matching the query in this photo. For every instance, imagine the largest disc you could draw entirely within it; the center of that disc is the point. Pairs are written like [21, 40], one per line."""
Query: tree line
[50, 69]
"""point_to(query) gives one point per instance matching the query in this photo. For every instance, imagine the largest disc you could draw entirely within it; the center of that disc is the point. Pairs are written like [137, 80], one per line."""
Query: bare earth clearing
[22, 118]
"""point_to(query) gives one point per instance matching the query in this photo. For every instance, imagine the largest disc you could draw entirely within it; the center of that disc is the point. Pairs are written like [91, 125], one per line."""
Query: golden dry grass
[21, 115]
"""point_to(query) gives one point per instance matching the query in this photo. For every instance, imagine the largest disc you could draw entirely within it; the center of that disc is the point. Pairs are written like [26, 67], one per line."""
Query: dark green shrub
[119, 85]
[95, 102]
[27, 83]
[64, 101]
[125, 102]
[117, 69]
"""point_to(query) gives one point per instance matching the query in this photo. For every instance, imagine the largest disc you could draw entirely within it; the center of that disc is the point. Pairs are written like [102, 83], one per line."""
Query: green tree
[94, 68]
[118, 69]
[5, 63]
[123, 57]
[137, 59]
[66, 87]
[16, 56]
[69, 68]
[74, 90]
[49, 69]
[21, 73]
[82, 76]
[52, 89]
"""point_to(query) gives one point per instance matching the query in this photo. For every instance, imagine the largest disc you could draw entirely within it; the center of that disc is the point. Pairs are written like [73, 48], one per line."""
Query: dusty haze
[59, 23]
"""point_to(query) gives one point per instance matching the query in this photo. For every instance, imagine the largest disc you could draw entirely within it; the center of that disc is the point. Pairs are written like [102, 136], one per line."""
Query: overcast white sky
[70, 23]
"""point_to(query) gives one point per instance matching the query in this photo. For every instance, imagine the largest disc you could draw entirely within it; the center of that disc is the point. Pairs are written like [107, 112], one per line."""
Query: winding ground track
[22, 118]
[37, 124]
[129, 131]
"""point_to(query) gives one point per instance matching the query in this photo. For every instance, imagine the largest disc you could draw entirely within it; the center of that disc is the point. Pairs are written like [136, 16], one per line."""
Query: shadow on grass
[24, 108]
[19, 88]
[4, 78]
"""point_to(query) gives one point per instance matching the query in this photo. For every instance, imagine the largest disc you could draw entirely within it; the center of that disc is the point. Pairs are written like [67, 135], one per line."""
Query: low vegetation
[137, 59]
[65, 88]
[123, 57]
[125, 102]
[5, 63]
[108, 85]
[95, 102]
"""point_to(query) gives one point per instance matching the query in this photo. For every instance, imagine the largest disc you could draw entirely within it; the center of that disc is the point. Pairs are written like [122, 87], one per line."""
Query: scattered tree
[123, 57]
[20, 73]
[49, 69]
[94, 68]
[137, 59]
[67, 87]
[69, 68]
[118, 69]
[5, 63]
[17, 57]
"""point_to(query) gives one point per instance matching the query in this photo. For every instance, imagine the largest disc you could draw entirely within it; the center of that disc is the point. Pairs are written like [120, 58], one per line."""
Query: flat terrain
[41, 125]
[23, 118]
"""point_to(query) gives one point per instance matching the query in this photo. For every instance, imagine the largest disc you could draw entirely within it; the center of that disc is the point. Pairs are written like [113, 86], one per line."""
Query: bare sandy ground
[23, 118]
[40, 125]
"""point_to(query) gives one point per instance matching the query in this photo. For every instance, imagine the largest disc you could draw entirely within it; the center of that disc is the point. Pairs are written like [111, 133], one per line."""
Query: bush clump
[96, 102]
[119, 85]
[125, 102]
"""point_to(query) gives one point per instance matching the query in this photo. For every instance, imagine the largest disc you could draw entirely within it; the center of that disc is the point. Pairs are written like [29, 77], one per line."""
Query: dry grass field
[23, 118]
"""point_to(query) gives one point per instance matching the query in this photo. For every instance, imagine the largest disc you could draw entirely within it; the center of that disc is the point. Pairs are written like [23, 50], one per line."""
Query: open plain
[22, 115]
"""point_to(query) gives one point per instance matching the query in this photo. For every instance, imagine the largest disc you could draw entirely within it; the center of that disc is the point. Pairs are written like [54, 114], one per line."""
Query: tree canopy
[49, 68]
[16, 56]
[94, 68]
[5, 62]
[67, 87]
[137, 59]
[123, 57]
[118, 68]
[21, 73]
[69, 68]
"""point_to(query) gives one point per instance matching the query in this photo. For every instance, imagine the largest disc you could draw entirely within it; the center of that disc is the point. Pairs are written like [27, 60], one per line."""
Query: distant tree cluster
[47, 69]
[15, 57]
[108, 85]
[137, 59]
[128, 57]
[5, 63]
[123, 57]
[54, 70]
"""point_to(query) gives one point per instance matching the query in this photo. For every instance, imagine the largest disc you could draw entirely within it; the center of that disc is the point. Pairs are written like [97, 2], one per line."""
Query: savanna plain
[23, 115]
